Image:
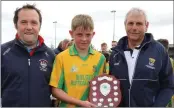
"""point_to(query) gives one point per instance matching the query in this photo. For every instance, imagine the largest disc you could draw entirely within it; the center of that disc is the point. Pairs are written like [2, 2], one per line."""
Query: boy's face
[82, 37]
[104, 47]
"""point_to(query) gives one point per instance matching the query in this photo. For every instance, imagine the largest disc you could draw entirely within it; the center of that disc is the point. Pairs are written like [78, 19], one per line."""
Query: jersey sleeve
[57, 74]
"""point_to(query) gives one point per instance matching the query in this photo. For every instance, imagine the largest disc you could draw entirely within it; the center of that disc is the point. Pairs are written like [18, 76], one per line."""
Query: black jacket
[25, 78]
[153, 81]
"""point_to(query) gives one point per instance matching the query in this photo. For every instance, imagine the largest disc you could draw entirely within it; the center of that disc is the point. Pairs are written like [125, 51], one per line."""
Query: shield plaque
[105, 91]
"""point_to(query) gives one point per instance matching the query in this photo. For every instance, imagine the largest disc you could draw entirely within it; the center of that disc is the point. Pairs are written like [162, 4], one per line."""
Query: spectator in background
[114, 43]
[104, 47]
[62, 46]
[165, 43]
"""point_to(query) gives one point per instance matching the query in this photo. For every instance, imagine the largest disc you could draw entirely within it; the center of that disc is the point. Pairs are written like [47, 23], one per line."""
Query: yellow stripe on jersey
[72, 73]
[107, 68]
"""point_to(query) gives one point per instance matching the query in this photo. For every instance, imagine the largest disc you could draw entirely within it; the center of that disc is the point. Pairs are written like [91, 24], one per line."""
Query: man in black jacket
[142, 65]
[26, 63]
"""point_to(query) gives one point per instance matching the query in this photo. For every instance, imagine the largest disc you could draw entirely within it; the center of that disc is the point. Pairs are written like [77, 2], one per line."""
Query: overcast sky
[160, 17]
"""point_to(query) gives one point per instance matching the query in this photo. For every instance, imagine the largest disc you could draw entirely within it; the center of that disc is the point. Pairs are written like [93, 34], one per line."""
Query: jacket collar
[40, 43]
[123, 42]
[40, 40]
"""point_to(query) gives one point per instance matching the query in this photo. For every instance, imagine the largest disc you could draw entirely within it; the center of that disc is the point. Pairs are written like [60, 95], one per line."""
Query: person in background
[104, 47]
[76, 66]
[142, 65]
[165, 43]
[26, 63]
[62, 46]
[114, 44]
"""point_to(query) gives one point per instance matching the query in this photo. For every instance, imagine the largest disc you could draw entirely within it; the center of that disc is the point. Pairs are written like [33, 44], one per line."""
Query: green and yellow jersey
[72, 73]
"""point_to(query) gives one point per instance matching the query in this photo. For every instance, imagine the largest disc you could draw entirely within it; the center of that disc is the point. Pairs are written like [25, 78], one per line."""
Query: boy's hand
[87, 104]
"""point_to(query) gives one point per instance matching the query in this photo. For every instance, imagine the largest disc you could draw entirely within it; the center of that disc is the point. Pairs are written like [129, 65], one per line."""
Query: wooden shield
[105, 91]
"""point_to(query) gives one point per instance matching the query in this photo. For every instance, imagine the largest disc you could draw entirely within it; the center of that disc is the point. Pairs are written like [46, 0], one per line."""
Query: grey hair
[136, 11]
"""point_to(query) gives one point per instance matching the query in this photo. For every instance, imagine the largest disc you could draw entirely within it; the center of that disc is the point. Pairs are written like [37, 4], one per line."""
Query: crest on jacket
[43, 64]
[151, 63]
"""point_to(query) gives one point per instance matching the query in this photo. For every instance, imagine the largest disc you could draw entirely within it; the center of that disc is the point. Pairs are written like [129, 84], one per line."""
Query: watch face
[105, 91]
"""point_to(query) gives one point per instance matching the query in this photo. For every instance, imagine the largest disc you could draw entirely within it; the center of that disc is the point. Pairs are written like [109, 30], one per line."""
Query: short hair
[27, 6]
[137, 11]
[103, 44]
[60, 44]
[114, 41]
[66, 41]
[83, 20]
[164, 42]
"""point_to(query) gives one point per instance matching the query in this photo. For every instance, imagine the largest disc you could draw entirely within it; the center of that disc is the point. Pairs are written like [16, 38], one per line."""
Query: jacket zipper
[133, 76]
[28, 62]
[128, 74]
[134, 72]
[129, 90]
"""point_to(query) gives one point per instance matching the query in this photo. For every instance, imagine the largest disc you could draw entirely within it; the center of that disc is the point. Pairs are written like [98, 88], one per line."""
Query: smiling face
[28, 26]
[82, 37]
[136, 26]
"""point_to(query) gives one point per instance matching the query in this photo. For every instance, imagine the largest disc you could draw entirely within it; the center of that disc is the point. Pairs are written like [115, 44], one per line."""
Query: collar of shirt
[73, 50]
[126, 48]
[29, 49]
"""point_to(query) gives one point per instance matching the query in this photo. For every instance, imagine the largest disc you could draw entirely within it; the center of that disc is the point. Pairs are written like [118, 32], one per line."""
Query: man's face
[114, 44]
[28, 26]
[104, 48]
[136, 26]
[82, 37]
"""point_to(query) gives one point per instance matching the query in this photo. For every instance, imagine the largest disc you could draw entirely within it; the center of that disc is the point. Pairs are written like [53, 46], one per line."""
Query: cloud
[160, 15]
[154, 19]
[104, 15]
[7, 16]
[161, 20]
